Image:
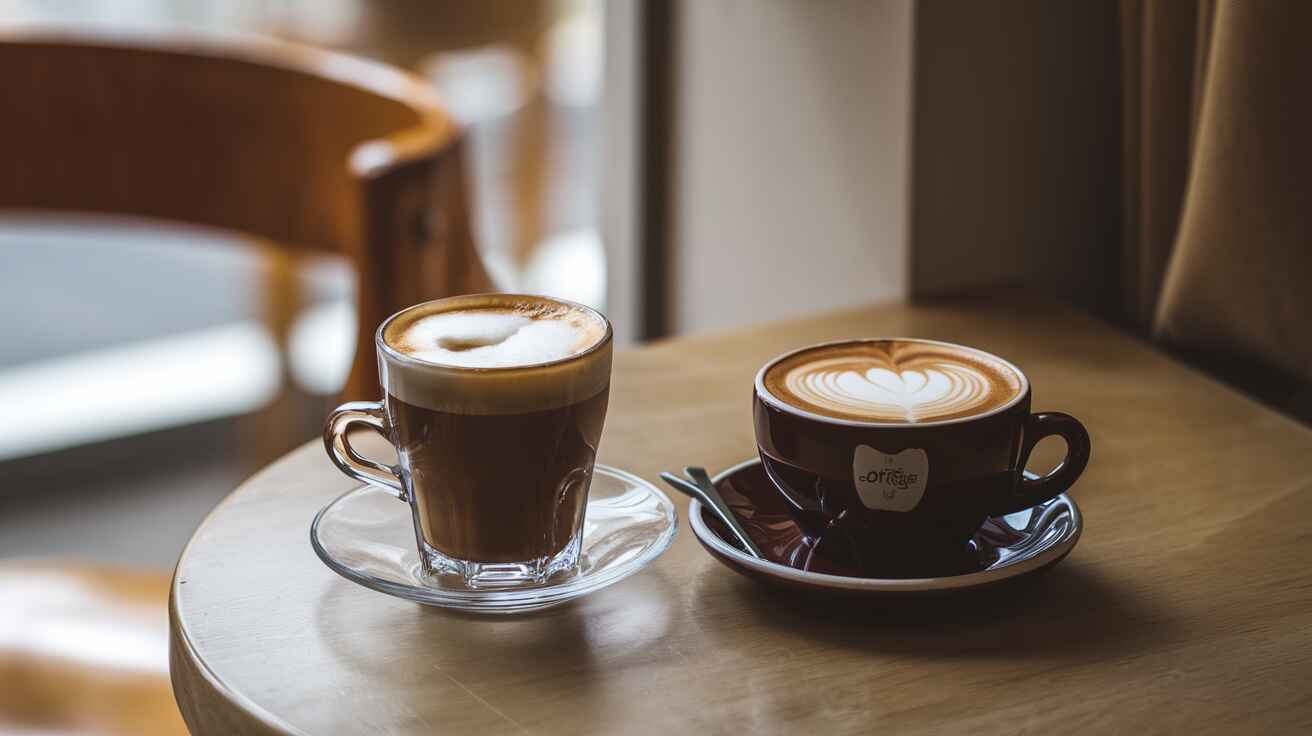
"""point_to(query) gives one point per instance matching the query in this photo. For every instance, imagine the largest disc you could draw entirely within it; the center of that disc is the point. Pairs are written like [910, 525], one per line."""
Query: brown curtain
[1218, 184]
[1164, 46]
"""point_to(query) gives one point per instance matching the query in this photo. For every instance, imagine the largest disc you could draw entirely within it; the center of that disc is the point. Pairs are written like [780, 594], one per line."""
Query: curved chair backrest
[303, 147]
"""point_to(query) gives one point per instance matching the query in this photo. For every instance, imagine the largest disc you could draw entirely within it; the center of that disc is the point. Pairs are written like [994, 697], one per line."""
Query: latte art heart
[901, 396]
[893, 381]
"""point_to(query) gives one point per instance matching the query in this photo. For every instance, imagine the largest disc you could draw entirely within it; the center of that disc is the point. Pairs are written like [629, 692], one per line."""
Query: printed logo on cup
[890, 482]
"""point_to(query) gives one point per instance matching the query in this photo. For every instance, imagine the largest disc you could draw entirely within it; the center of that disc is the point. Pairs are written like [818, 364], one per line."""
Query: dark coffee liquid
[499, 487]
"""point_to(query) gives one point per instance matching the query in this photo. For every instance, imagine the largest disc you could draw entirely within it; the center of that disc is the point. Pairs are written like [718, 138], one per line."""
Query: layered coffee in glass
[495, 404]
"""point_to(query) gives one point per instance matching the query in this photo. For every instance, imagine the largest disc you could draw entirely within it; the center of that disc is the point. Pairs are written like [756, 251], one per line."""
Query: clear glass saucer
[368, 537]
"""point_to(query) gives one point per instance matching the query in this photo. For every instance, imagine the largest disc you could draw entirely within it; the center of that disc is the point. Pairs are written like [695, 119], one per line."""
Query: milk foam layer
[498, 338]
[893, 381]
[495, 354]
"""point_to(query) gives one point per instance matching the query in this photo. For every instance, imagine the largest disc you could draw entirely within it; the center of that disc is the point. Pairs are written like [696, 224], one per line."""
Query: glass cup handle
[371, 415]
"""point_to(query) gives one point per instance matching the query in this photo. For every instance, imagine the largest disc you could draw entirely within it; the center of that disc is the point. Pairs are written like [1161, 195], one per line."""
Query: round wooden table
[267, 640]
[1186, 607]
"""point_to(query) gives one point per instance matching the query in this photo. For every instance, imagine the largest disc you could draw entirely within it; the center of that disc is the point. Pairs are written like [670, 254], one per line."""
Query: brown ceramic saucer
[1003, 549]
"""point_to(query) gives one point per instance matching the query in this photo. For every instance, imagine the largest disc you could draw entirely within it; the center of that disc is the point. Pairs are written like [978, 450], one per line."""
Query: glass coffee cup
[495, 405]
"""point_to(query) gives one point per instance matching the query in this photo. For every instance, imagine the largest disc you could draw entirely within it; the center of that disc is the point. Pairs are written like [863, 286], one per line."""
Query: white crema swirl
[930, 389]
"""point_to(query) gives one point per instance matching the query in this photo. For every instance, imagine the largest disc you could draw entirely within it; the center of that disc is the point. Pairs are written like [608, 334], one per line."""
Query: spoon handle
[717, 507]
[730, 519]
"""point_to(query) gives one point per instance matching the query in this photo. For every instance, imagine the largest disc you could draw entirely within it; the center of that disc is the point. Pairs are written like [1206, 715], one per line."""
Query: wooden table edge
[196, 688]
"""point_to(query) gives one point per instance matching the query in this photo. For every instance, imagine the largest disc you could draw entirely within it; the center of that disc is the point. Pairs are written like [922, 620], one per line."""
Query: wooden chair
[305, 148]
[84, 650]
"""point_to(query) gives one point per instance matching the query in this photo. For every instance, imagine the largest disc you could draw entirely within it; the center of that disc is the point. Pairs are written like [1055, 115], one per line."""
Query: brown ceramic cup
[902, 491]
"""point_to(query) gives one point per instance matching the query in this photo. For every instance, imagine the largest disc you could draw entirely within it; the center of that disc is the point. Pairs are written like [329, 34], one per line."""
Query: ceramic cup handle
[1031, 492]
[369, 414]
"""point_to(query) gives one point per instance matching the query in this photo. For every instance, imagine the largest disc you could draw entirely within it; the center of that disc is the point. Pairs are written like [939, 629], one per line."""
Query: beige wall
[621, 160]
[790, 149]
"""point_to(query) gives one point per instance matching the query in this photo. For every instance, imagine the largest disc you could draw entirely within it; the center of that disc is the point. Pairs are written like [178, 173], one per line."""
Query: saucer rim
[1047, 557]
[505, 601]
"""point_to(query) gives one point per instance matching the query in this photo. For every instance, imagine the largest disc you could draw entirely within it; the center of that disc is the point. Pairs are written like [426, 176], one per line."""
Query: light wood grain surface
[1187, 607]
